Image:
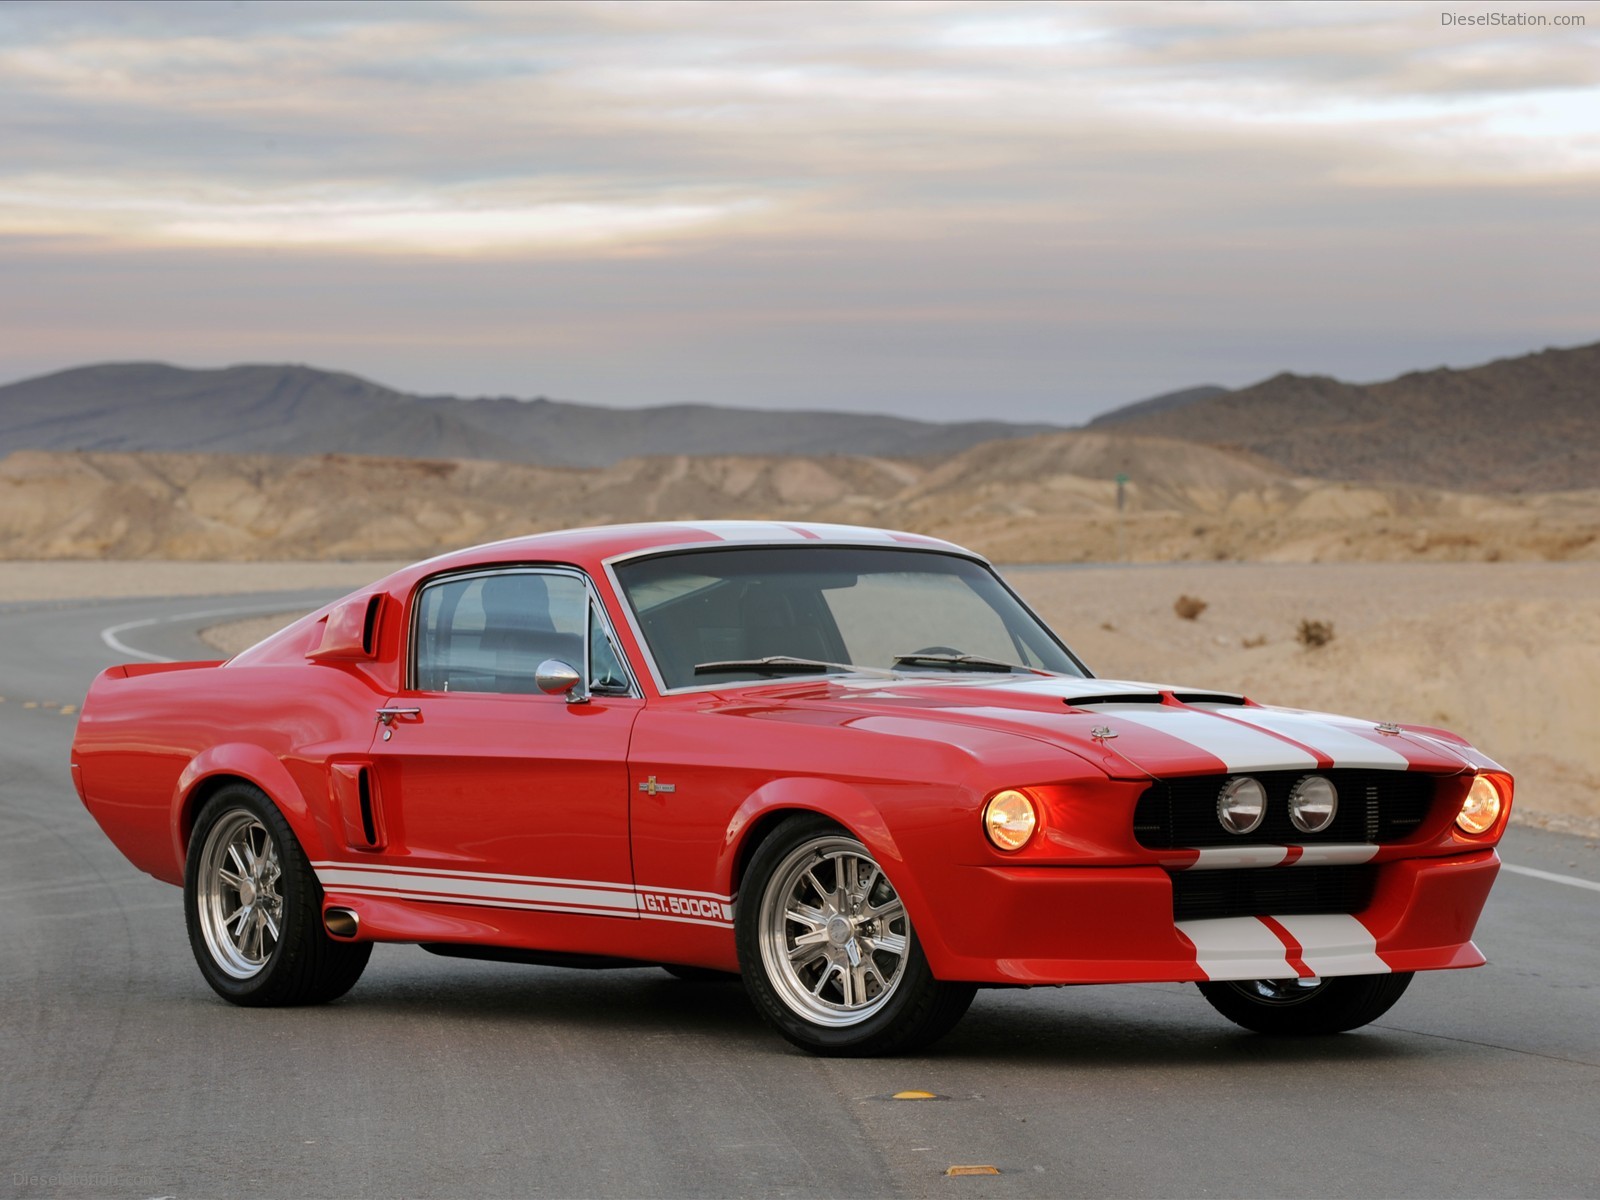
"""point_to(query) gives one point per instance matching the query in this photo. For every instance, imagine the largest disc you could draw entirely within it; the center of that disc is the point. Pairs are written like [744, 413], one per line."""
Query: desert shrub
[1312, 634]
[1189, 607]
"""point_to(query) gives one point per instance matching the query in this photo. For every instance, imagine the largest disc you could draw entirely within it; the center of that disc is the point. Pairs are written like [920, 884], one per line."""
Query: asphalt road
[121, 1074]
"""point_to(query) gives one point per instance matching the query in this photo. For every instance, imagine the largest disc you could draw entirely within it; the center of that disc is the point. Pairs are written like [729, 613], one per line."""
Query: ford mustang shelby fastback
[849, 765]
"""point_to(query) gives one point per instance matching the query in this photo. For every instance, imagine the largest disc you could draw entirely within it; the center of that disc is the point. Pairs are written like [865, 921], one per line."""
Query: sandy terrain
[1044, 499]
[1507, 654]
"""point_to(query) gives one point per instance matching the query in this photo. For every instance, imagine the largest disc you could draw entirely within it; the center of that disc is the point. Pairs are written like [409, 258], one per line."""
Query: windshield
[724, 611]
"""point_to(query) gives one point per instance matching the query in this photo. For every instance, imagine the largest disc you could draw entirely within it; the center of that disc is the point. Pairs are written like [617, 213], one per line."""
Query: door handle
[388, 716]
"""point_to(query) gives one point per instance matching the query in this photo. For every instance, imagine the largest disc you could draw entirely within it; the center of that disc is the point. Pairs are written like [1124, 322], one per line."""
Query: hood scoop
[1157, 696]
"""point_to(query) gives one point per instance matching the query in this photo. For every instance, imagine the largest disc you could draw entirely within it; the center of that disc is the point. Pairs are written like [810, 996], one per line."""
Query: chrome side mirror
[555, 678]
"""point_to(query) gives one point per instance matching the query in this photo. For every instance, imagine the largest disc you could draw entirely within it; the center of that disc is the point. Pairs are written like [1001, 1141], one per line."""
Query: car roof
[593, 546]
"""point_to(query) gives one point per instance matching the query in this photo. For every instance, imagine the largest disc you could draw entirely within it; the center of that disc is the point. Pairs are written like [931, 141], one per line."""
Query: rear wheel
[827, 950]
[254, 909]
[1306, 1007]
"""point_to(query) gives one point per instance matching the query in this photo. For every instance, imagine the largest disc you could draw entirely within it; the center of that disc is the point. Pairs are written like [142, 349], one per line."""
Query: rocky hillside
[296, 410]
[1523, 424]
[1045, 499]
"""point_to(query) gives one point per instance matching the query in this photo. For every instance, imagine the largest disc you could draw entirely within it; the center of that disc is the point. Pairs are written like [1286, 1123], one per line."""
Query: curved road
[123, 1075]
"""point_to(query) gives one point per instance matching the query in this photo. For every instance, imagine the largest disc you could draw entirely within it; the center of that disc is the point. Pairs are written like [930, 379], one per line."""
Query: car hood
[1136, 730]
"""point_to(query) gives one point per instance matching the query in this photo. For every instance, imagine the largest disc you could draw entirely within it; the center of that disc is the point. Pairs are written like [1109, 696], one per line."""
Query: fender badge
[651, 788]
[1387, 727]
[1102, 733]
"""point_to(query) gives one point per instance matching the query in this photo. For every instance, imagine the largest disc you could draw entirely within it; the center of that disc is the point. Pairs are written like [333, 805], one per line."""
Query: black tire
[1293, 1008]
[699, 974]
[240, 835]
[902, 1007]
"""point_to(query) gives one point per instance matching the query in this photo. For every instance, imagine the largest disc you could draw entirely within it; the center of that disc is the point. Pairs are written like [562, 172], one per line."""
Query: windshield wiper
[784, 664]
[974, 662]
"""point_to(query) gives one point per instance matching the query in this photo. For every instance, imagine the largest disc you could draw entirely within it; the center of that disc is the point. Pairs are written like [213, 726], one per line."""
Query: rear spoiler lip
[134, 670]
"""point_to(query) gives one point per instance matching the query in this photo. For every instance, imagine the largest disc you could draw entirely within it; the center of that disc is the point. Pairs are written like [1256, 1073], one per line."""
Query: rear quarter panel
[152, 742]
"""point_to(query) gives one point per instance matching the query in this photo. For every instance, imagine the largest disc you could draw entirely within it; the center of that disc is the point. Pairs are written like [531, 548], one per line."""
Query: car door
[492, 791]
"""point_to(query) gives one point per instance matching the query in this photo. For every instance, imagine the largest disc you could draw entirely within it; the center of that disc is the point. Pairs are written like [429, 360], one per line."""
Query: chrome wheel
[1306, 1007]
[239, 904]
[834, 936]
[1279, 991]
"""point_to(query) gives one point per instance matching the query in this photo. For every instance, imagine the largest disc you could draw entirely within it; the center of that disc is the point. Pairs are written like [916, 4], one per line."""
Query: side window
[489, 633]
[605, 668]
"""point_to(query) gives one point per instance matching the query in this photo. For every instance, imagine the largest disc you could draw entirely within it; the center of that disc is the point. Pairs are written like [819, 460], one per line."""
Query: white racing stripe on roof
[1345, 746]
[750, 531]
[790, 531]
[1240, 747]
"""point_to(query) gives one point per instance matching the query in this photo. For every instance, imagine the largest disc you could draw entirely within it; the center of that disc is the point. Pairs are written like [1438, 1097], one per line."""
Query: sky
[944, 210]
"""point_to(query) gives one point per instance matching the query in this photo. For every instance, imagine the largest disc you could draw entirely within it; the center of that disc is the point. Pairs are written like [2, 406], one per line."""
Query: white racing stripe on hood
[1346, 747]
[1240, 747]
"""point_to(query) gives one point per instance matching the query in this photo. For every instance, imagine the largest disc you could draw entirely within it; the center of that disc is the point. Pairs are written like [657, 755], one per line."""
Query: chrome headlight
[1010, 819]
[1241, 804]
[1313, 801]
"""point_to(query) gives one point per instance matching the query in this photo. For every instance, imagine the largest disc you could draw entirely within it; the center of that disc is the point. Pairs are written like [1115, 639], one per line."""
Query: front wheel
[1306, 1007]
[828, 953]
[254, 909]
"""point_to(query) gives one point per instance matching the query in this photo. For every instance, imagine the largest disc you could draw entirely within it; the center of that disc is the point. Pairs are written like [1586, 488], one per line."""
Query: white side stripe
[530, 893]
[443, 873]
[489, 889]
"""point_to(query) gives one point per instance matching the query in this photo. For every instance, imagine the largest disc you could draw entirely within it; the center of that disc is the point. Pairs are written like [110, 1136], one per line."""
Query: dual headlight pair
[1242, 804]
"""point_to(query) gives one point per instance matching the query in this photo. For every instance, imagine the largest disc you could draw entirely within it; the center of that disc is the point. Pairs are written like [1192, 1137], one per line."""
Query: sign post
[1122, 503]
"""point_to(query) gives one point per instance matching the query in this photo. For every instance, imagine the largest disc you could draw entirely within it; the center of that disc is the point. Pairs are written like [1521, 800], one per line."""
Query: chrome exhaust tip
[341, 922]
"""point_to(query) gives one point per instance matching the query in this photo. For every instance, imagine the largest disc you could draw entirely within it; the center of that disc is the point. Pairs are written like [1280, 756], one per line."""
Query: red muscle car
[848, 764]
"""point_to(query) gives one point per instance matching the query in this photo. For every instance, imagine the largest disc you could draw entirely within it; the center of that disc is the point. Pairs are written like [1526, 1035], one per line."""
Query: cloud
[924, 203]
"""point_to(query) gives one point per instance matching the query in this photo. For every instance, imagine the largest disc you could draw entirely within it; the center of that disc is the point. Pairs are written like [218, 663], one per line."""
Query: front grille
[1374, 806]
[1270, 891]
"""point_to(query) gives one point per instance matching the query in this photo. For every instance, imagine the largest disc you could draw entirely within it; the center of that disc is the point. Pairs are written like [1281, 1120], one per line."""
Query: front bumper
[1060, 925]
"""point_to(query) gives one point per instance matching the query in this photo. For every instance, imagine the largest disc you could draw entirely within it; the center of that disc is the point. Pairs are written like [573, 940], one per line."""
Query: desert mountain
[1044, 499]
[1156, 404]
[297, 410]
[1518, 424]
